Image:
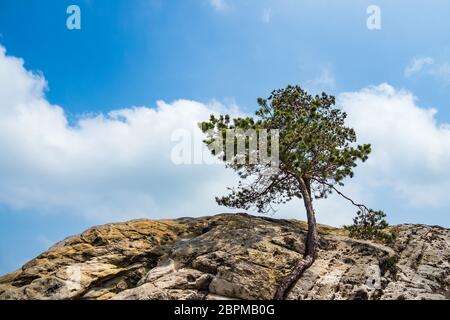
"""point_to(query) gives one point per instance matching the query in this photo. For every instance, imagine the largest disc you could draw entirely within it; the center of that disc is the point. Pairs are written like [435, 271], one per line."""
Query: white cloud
[411, 151]
[427, 65]
[407, 172]
[324, 80]
[219, 5]
[107, 167]
[117, 166]
[417, 64]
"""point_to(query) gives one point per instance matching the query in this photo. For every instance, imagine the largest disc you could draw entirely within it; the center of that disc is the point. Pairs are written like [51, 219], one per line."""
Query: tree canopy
[314, 144]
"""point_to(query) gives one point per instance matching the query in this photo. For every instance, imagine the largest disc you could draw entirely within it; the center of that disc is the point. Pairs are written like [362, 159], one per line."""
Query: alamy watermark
[374, 19]
[250, 147]
[73, 21]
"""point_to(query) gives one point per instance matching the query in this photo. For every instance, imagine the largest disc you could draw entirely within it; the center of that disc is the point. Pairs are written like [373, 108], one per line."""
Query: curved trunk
[311, 245]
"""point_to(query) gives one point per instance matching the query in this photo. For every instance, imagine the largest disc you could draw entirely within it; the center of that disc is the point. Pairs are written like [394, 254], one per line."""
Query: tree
[316, 153]
[370, 225]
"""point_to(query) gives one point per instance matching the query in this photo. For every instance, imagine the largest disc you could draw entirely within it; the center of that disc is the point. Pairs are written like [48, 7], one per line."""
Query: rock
[233, 257]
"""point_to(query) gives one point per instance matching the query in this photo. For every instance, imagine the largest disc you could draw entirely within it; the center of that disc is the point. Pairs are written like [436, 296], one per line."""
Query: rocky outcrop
[233, 257]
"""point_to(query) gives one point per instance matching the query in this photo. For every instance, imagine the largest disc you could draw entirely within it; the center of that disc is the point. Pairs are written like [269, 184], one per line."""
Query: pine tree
[316, 153]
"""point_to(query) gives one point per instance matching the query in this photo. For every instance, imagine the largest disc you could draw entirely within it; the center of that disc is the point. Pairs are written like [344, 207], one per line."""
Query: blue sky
[134, 53]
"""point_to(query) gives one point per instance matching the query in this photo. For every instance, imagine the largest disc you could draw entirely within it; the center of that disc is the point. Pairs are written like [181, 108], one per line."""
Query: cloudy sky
[87, 116]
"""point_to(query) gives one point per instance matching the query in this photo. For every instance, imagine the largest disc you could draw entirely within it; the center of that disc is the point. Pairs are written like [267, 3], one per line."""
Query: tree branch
[359, 205]
[272, 184]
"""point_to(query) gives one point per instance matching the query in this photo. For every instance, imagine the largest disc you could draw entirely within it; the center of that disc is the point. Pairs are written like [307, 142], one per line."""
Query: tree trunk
[311, 245]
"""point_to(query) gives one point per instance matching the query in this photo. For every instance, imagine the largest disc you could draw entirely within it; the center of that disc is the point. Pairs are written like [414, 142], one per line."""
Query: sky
[87, 116]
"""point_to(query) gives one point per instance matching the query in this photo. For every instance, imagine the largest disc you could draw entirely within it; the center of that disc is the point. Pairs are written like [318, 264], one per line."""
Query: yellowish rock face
[232, 257]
